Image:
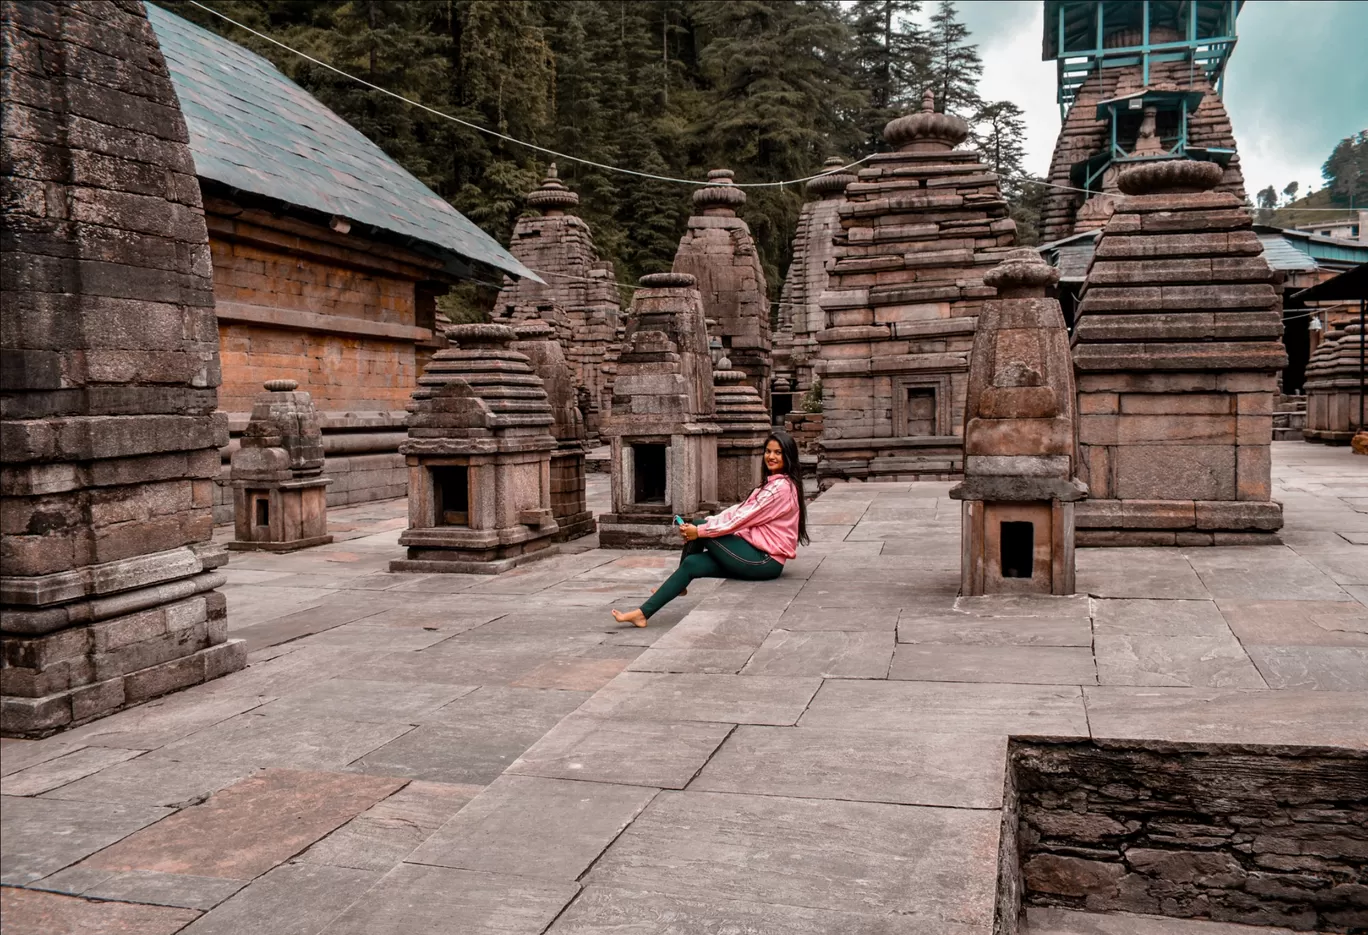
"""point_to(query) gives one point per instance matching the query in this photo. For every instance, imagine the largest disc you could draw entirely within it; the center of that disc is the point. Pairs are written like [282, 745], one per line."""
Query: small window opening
[1018, 549]
[452, 488]
[921, 411]
[263, 511]
[648, 468]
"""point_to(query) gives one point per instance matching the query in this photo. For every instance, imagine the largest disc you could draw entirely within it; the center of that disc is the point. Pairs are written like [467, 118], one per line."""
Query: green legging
[723, 557]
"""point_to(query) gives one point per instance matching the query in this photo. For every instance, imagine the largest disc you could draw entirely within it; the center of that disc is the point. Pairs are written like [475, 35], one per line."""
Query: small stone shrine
[537, 339]
[1019, 487]
[280, 501]
[662, 426]
[717, 250]
[1333, 386]
[108, 434]
[560, 248]
[800, 317]
[1177, 349]
[479, 458]
[921, 226]
[745, 426]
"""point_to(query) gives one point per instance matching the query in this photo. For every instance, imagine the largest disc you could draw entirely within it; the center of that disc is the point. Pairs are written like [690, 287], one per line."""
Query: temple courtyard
[827, 752]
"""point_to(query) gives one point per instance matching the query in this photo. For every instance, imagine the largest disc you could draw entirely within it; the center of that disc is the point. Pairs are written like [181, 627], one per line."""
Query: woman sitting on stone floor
[750, 541]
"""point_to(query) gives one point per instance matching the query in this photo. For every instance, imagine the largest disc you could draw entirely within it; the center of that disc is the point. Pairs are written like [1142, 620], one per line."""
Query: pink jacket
[767, 519]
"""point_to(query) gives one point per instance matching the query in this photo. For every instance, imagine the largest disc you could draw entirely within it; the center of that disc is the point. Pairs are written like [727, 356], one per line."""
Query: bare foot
[635, 617]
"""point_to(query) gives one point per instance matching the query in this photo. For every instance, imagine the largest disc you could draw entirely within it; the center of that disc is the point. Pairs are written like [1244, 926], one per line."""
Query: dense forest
[768, 88]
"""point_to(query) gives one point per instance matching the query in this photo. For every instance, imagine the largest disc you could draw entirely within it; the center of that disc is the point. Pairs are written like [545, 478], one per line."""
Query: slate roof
[257, 131]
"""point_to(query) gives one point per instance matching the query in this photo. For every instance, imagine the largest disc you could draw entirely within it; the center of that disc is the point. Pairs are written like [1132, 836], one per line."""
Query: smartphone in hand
[679, 520]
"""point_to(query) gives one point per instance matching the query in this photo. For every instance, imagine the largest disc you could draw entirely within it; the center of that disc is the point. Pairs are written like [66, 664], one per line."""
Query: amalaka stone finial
[1169, 177]
[831, 182]
[926, 131]
[553, 197]
[280, 386]
[668, 281]
[1022, 272]
[720, 196]
[480, 334]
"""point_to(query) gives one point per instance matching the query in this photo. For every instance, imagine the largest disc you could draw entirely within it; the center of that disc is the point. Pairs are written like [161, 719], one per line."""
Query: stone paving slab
[154, 779]
[26, 911]
[1043, 920]
[968, 630]
[662, 754]
[551, 829]
[861, 766]
[1030, 665]
[16, 754]
[948, 707]
[933, 863]
[249, 827]
[729, 699]
[361, 700]
[53, 774]
[42, 836]
[388, 831]
[162, 720]
[1296, 623]
[1138, 573]
[692, 661]
[420, 900]
[1194, 715]
[293, 899]
[826, 653]
[289, 741]
[1323, 668]
[164, 889]
[1271, 573]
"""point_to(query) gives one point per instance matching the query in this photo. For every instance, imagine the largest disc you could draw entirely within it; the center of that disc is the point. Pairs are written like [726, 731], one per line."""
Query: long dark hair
[793, 471]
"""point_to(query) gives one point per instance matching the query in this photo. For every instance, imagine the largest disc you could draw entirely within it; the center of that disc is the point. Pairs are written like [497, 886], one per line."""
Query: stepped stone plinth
[662, 425]
[479, 453]
[745, 426]
[109, 439]
[1177, 348]
[1019, 487]
[580, 293]
[919, 228]
[537, 339]
[1333, 387]
[718, 251]
[280, 499]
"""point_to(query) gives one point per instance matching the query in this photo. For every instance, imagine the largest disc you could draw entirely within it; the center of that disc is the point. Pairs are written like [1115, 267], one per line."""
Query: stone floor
[825, 752]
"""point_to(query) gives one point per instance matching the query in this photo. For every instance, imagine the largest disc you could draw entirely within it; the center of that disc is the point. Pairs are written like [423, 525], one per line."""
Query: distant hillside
[1289, 216]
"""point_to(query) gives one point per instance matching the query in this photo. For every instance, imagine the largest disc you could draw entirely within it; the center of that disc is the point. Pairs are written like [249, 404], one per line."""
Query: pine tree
[1346, 171]
[891, 60]
[955, 64]
[1000, 134]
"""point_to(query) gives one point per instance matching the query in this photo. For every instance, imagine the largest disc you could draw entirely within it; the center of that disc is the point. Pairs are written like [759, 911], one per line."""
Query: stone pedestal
[920, 227]
[745, 426]
[1333, 387]
[1019, 487]
[479, 458]
[280, 501]
[108, 434]
[718, 251]
[537, 339]
[662, 426]
[1177, 348]
[560, 248]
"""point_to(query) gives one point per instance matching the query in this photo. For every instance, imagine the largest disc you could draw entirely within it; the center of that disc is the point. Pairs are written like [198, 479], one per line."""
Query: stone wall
[1275, 836]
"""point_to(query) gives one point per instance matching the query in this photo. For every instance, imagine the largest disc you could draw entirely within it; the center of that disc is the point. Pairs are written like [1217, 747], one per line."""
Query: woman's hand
[689, 531]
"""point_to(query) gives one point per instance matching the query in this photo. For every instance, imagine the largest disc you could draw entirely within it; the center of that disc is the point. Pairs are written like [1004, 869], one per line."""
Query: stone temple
[108, 434]
[920, 227]
[1177, 347]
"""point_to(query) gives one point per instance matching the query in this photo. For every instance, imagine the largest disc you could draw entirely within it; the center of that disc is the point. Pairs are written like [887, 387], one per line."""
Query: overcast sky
[1297, 82]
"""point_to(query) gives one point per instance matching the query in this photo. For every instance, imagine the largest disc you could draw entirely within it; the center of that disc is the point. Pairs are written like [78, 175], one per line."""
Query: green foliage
[1346, 171]
[767, 88]
[812, 399]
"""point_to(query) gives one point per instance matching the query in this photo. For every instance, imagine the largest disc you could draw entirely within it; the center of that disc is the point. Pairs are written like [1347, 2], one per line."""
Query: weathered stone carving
[800, 317]
[479, 457]
[537, 339]
[904, 293]
[1019, 487]
[1333, 385]
[662, 426]
[1177, 349]
[560, 248]
[108, 439]
[279, 491]
[745, 426]
[717, 250]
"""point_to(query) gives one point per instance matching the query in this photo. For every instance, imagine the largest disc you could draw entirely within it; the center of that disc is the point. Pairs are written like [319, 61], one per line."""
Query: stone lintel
[296, 320]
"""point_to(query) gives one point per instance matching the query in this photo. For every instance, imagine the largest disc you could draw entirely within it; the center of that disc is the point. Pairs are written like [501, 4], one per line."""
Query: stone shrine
[717, 250]
[1177, 351]
[560, 248]
[537, 339]
[662, 426]
[1334, 386]
[479, 457]
[108, 437]
[800, 317]
[745, 426]
[1020, 435]
[920, 225]
[279, 492]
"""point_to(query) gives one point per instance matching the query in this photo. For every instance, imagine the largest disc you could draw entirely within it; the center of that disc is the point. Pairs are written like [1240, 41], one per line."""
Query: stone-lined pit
[1260, 836]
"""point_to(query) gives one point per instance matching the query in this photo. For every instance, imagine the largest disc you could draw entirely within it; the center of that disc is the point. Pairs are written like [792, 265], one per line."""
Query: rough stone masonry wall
[1260, 837]
[108, 434]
